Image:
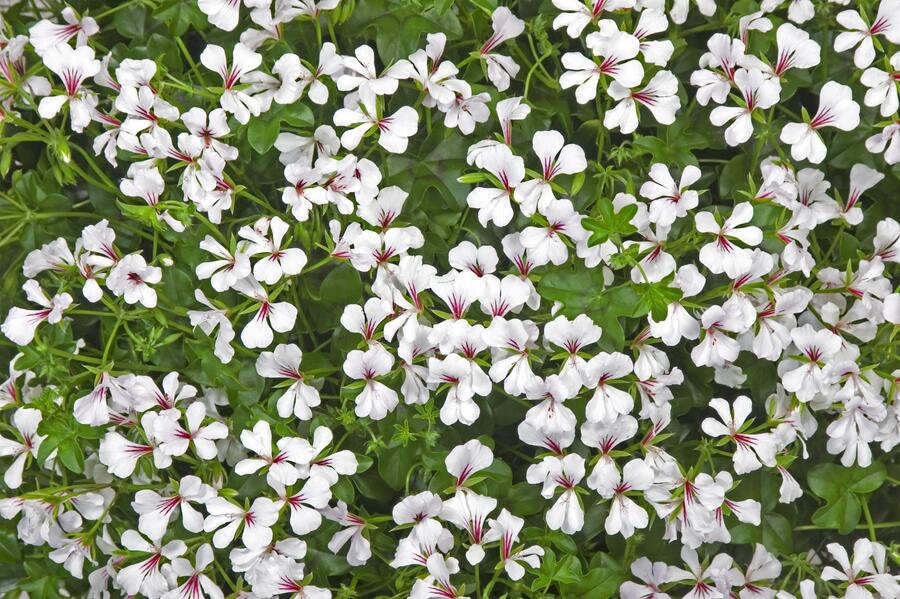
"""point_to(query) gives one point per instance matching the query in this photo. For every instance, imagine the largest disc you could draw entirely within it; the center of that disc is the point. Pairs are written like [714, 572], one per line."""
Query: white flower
[469, 511]
[506, 529]
[210, 129]
[862, 178]
[376, 399]
[365, 320]
[208, 321]
[751, 450]
[359, 73]
[281, 465]
[45, 34]
[465, 460]
[887, 141]
[861, 34]
[279, 316]
[198, 585]
[670, 201]
[556, 159]
[121, 455]
[417, 509]
[276, 261]
[616, 48]
[20, 324]
[659, 96]
[131, 278]
[466, 110]
[722, 255]
[501, 68]
[433, 75]
[577, 15]
[227, 270]
[284, 363]
[493, 203]
[607, 402]
[224, 14]
[882, 87]
[836, 109]
[155, 511]
[553, 472]
[360, 549]
[393, 131]
[508, 110]
[795, 50]
[545, 244]
[652, 574]
[758, 92]
[175, 439]
[145, 577]
[72, 66]
[511, 342]
[27, 444]
[244, 62]
[225, 518]
[717, 349]
[624, 514]
[304, 505]
[764, 567]
[803, 375]
[864, 570]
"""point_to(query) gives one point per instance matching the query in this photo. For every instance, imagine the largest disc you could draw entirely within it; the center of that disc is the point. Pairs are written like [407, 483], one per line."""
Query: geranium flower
[270, 315]
[145, 577]
[73, 67]
[565, 473]
[27, 444]
[376, 399]
[45, 34]
[501, 68]
[722, 255]
[659, 96]
[836, 109]
[557, 158]
[244, 62]
[862, 34]
[751, 450]
[393, 131]
[493, 204]
[759, 92]
[506, 529]
[155, 510]
[284, 363]
[624, 514]
[20, 324]
[198, 585]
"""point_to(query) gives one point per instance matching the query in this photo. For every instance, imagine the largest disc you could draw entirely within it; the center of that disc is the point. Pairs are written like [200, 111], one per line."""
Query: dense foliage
[413, 298]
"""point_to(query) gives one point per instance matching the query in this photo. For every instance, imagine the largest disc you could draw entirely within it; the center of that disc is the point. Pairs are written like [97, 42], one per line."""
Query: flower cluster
[392, 314]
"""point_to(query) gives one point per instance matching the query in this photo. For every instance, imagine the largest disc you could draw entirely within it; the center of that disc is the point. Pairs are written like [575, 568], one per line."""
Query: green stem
[868, 515]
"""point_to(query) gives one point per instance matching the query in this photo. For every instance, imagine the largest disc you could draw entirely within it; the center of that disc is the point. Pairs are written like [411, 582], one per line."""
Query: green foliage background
[52, 186]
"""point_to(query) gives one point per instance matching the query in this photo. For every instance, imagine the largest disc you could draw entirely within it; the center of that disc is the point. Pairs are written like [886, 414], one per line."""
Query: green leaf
[656, 297]
[842, 514]
[576, 287]
[830, 481]
[840, 487]
[607, 223]
[341, 286]
[395, 463]
[146, 215]
[261, 133]
[71, 456]
[131, 21]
